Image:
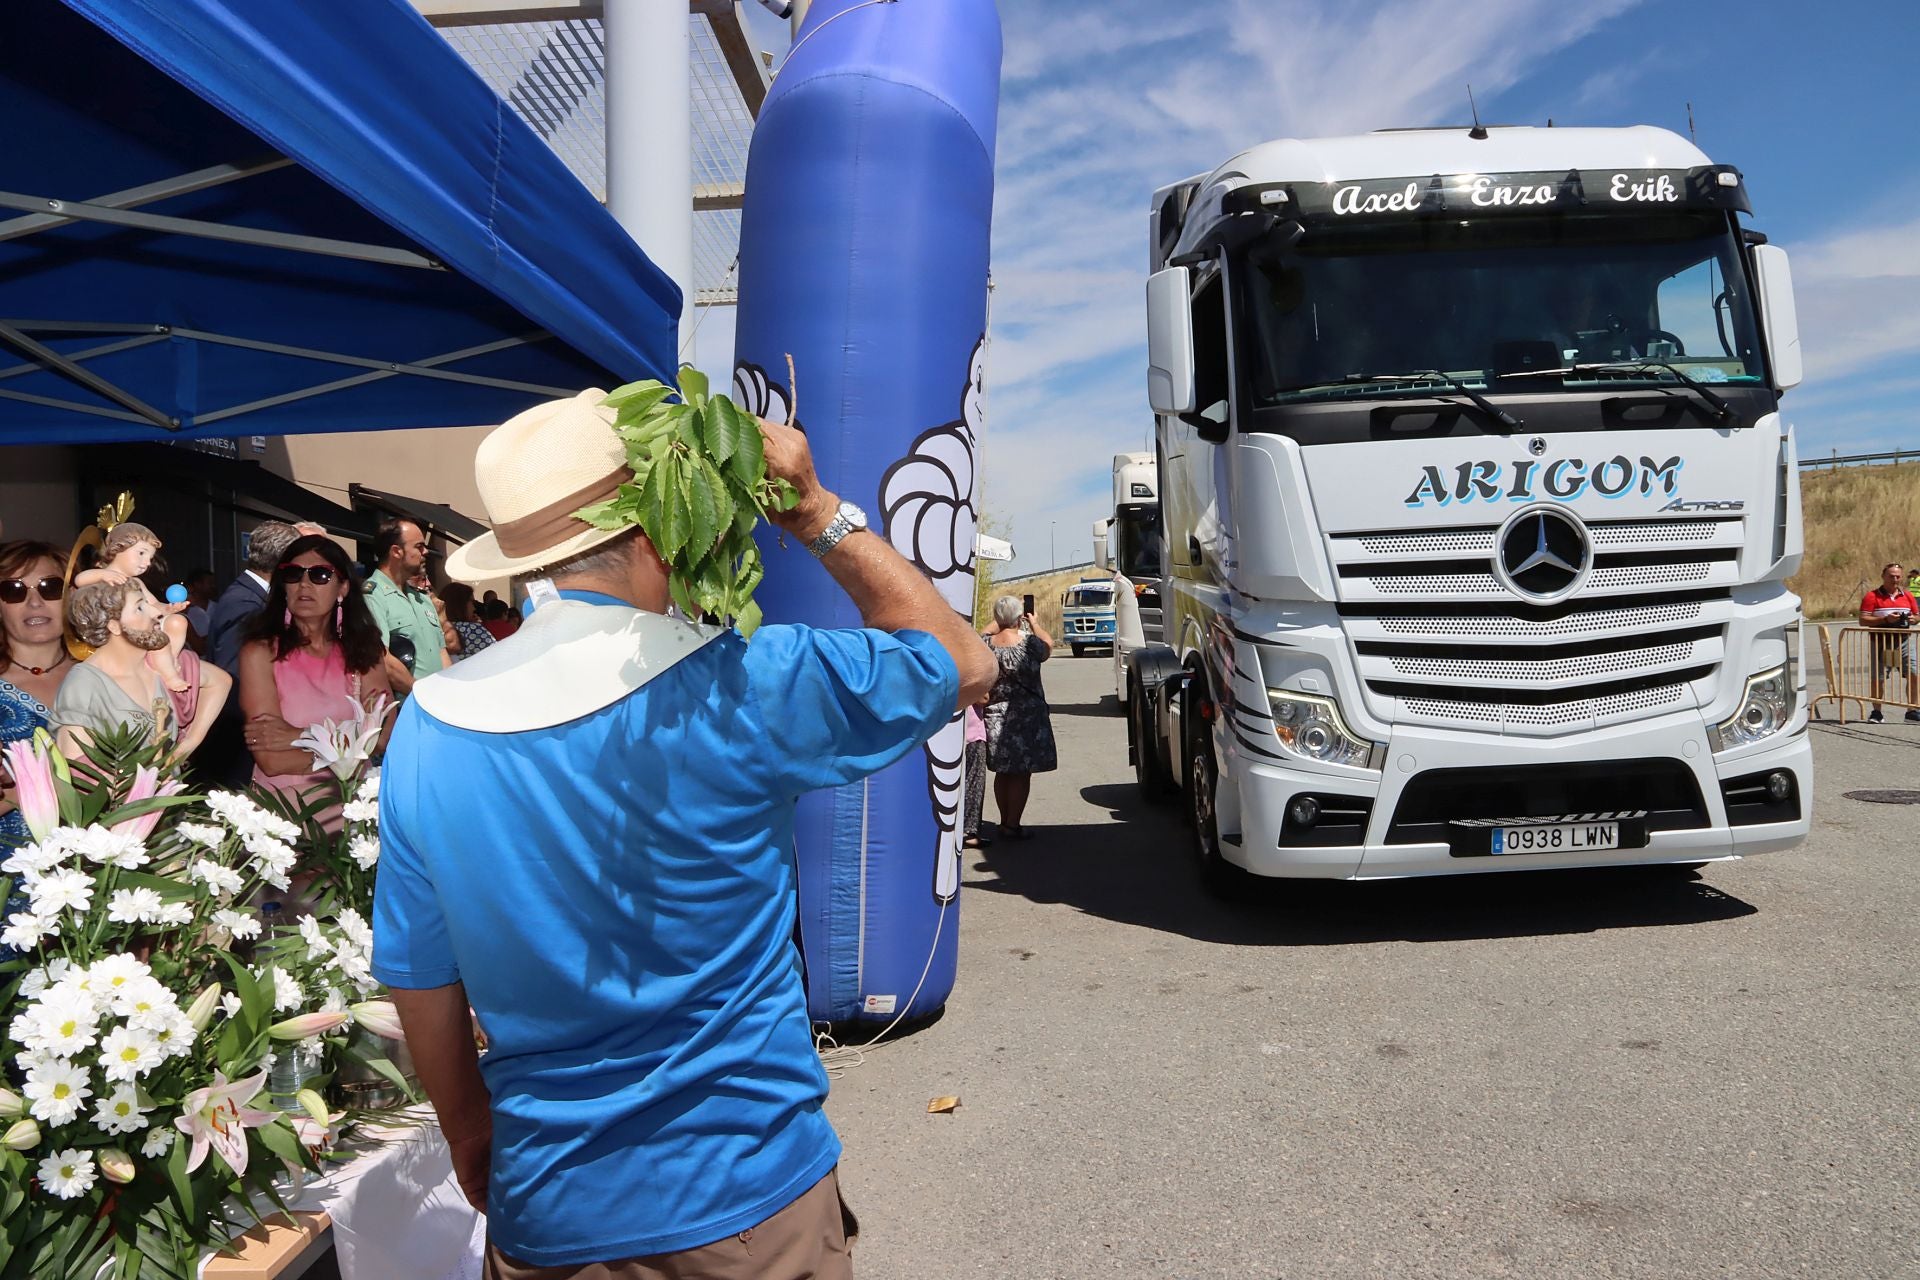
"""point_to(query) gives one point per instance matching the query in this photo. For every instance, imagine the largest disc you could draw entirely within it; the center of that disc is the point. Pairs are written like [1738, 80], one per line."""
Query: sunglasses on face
[318, 574]
[14, 590]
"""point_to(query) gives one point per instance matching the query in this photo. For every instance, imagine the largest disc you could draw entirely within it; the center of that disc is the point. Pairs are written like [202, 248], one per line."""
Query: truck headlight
[1311, 728]
[1764, 710]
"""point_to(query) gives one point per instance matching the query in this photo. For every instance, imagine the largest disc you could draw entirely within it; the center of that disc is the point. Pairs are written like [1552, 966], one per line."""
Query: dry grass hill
[1856, 519]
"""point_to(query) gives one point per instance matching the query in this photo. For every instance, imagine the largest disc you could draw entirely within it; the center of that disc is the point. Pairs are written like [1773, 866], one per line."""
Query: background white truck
[1479, 508]
[1131, 543]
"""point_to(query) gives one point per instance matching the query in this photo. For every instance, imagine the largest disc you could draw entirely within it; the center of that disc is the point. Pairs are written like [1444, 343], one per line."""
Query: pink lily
[345, 745]
[308, 1025]
[379, 1017]
[33, 774]
[218, 1116]
[147, 785]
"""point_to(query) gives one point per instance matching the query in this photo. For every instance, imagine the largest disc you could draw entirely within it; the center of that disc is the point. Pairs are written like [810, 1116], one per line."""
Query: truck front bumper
[1407, 804]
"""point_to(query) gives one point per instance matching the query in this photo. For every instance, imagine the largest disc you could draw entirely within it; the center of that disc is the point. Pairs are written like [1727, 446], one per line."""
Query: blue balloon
[176, 594]
[863, 257]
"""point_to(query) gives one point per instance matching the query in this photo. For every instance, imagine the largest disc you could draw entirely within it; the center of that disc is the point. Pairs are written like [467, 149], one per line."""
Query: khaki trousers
[810, 1239]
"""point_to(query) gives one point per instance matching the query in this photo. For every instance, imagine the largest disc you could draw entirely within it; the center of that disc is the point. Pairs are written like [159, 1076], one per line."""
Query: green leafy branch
[699, 487]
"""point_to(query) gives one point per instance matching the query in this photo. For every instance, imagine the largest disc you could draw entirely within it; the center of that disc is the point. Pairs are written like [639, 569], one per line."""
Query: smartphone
[1026, 604]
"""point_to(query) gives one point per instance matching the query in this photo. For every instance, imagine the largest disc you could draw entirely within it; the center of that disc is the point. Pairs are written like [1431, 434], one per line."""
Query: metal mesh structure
[553, 74]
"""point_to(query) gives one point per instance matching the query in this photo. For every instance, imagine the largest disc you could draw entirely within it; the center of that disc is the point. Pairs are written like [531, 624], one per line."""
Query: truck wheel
[1148, 774]
[1079, 650]
[1220, 878]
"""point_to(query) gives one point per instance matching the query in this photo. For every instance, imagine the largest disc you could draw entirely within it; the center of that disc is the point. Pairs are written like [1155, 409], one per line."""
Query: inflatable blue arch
[863, 256]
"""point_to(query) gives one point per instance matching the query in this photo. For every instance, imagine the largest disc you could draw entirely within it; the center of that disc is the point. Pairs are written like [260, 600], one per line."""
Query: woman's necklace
[40, 671]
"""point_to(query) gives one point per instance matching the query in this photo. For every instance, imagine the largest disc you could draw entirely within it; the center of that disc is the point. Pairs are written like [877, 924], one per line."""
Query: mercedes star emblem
[1543, 552]
[1537, 446]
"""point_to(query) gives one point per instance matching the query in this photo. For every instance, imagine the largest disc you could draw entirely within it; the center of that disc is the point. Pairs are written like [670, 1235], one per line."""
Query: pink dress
[311, 689]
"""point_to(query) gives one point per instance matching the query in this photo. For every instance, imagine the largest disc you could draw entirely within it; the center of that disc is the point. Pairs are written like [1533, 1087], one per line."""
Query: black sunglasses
[318, 574]
[14, 590]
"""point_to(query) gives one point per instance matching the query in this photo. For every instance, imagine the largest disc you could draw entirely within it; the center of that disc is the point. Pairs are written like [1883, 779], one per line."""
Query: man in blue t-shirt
[586, 834]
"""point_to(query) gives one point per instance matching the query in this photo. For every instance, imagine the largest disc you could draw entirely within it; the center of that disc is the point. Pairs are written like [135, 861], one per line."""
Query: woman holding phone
[1019, 721]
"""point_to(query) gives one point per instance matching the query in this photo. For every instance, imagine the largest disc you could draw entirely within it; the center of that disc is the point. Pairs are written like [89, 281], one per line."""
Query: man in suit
[224, 757]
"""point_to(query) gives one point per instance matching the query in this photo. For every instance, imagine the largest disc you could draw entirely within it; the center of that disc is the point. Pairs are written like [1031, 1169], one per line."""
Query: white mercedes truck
[1129, 543]
[1479, 509]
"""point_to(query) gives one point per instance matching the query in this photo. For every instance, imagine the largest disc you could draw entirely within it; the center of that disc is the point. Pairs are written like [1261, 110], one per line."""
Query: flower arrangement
[146, 1014]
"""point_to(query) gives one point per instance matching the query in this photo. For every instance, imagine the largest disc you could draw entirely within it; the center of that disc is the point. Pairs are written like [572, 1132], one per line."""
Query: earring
[289, 619]
[339, 617]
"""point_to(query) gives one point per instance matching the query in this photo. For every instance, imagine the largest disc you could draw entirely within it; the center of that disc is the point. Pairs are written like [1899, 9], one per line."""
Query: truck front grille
[1438, 640]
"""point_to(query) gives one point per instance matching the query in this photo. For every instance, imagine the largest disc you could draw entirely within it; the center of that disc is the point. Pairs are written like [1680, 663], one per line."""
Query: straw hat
[533, 472]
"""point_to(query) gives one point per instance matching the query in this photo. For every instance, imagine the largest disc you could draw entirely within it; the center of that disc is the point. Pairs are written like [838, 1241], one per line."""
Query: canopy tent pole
[149, 193]
[92, 381]
[649, 143]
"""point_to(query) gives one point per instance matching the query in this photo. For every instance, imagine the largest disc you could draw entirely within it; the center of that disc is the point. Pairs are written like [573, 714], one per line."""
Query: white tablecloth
[397, 1210]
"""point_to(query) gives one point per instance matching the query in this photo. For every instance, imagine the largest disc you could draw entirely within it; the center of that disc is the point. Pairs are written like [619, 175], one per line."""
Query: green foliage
[699, 487]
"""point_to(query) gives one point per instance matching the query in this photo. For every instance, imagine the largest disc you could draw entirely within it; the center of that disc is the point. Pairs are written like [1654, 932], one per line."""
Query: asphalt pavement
[1577, 1074]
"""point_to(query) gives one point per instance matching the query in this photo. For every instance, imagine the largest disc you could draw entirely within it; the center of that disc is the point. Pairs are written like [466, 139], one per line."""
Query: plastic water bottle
[272, 916]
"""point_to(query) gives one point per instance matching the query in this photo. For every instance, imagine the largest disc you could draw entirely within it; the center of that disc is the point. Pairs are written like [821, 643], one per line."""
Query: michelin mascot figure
[863, 256]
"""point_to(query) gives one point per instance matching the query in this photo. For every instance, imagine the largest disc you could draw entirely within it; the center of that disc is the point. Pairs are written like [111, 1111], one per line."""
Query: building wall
[39, 494]
[434, 465]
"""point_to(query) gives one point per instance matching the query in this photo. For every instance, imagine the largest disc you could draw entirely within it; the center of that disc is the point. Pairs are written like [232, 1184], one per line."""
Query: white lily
[218, 1116]
[344, 745]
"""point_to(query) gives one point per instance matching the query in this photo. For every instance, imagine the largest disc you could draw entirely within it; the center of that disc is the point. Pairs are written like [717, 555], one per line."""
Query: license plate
[1556, 837]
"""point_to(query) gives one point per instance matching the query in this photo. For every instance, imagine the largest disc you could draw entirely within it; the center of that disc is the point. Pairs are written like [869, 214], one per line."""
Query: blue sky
[1819, 105]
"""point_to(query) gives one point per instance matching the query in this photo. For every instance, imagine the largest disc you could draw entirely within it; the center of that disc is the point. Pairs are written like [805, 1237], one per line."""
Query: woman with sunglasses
[33, 655]
[312, 648]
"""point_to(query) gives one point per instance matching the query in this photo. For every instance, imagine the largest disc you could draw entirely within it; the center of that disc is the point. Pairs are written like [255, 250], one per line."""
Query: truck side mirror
[1170, 341]
[1100, 528]
[1777, 319]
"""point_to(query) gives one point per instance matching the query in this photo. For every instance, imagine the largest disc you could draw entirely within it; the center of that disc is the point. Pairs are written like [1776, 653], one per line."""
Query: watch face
[853, 515]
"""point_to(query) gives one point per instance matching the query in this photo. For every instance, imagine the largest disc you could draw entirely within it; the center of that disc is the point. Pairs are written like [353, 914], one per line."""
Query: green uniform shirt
[407, 611]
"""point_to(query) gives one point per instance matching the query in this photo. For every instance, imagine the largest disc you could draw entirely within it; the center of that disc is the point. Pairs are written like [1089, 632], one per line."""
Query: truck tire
[1148, 772]
[1079, 650]
[1220, 878]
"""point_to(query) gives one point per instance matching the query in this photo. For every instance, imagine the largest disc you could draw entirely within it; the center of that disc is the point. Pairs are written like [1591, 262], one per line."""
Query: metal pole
[1053, 560]
[650, 136]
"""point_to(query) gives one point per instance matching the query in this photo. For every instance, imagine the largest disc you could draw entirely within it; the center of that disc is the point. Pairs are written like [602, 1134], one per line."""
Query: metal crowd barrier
[1869, 665]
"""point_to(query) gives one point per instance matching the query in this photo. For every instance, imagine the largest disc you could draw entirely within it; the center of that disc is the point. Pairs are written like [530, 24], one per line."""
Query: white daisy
[159, 1142]
[105, 977]
[129, 1053]
[202, 833]
[62, 1023]
[121, 1112]
[38, 980]
[61, 890]
[355, 927]
[362, 808]
[25, 929]
[67, 1174]
[365, 851]
[273, 860]
[370, 785]
[134, 906]
[216, 877]
[174, 914]
[238, 923]
[34, 859]
[113, 847]
[175, 1035]
[57, 1089]
[144, 1002]
[286, 992]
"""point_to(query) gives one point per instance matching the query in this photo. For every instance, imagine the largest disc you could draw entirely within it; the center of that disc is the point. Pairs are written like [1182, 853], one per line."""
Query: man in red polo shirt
[1890, 605]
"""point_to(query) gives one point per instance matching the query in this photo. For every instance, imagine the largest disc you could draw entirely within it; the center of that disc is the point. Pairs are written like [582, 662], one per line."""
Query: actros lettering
[1726, 505]
[1564, 478]
[1349, 200]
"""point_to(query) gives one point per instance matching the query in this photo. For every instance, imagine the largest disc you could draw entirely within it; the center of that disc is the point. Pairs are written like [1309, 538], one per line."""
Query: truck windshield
[1410, 307]
[1090, 597]
[1136, 535]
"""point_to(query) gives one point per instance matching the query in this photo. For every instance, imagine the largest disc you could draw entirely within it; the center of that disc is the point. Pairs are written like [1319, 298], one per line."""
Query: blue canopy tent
[229, 217]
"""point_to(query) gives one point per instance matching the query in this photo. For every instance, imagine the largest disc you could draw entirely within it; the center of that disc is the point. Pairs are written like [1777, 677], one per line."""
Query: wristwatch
[847, 519]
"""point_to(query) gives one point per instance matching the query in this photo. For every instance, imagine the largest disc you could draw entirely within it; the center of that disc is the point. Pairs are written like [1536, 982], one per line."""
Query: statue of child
[126, 554]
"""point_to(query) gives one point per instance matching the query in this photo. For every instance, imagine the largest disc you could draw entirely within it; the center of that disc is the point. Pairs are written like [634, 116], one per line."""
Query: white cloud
[1857, 295]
